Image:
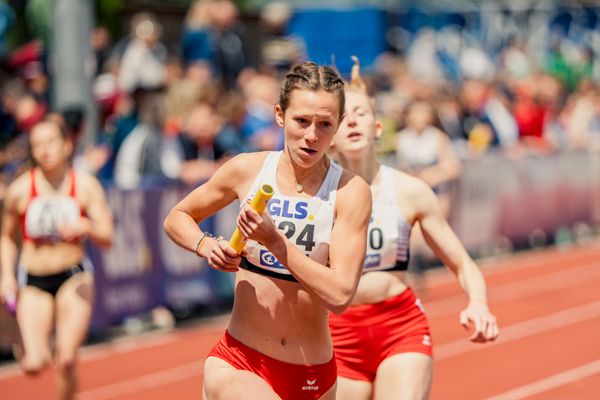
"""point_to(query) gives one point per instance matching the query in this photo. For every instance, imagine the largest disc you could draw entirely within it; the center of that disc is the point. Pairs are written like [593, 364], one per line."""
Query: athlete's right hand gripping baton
[258, 203]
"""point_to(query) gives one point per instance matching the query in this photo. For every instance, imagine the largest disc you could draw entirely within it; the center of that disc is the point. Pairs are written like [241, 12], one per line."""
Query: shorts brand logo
[426, 340]
[310, 385]
[420, 305]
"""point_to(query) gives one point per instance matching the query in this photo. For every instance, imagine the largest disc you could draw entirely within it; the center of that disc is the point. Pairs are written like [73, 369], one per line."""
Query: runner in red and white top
[382, 341]
[54, 210]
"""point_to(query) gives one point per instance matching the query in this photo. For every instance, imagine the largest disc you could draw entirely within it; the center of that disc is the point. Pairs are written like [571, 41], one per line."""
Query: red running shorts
[365, 335]
[289, 381]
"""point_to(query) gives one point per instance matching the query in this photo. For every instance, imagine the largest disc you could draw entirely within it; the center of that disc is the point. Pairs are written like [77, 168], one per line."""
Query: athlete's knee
[34, 364]
[65, 361]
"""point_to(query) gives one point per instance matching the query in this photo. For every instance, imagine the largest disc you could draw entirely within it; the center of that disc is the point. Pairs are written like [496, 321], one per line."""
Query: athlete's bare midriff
[280, 319]
[47, 259]
[377, 286]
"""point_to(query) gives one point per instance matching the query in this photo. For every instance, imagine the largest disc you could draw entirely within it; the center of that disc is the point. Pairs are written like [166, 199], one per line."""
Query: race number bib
[382, 241]
[305, 222]
[46, 215]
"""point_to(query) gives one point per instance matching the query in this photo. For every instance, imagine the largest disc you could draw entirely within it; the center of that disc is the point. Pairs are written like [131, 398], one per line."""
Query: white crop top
[389, 232]
[306, 221]
[46, 214]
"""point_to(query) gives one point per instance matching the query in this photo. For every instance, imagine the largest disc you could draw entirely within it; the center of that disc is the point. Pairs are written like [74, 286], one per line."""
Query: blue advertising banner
[144, 268]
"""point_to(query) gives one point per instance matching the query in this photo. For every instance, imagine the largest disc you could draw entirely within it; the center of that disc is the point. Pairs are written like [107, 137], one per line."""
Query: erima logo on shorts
[419, 304]
[310, 385]
[269, 260]
[426, 340]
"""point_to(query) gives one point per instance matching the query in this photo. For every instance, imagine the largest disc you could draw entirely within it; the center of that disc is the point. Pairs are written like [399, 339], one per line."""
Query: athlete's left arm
[98, 224]
[443, 241]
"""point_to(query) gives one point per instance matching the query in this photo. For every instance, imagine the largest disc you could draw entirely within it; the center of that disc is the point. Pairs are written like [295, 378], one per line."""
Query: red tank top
[44, 215]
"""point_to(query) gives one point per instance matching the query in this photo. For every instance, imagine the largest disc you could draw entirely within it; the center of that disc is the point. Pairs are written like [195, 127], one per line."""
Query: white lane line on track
[138, 342]
[444, 351]
[521, 330]
[550, 382]
[144, 382]
[519, 289]
[127, 344]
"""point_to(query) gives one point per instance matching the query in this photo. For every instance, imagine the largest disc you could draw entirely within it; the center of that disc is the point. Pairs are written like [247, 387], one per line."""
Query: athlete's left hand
[484, 322]
[256, 226]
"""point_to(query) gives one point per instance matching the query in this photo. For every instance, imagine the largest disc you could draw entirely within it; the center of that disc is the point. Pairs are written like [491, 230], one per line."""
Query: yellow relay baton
[258, 203]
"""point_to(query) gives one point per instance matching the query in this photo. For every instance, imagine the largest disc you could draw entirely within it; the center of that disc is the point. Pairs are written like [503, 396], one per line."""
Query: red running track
[547, 303]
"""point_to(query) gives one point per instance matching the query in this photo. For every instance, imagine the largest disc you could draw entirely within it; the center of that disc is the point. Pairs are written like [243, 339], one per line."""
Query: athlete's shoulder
[85, 181]
[20, 185]
[408, 182]
[245, 163]
[412, 189]
[352, 186]
[83, 176]
[89, 190]
[440, 134]
[23, 178]
[18, 190]
[354, 201]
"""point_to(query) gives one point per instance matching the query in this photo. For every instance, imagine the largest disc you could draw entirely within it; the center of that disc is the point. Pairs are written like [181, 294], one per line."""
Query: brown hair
[59, 121]
[311, 76]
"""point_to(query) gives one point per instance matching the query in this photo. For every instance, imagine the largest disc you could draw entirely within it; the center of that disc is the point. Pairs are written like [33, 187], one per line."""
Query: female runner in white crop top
[382, 342]
[54, 209]
[309, 259]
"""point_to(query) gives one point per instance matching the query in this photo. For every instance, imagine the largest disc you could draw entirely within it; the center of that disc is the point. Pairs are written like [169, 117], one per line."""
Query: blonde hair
[357, 83]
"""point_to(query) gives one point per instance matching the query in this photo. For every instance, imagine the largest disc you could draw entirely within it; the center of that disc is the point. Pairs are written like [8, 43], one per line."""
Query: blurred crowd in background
[511, 81]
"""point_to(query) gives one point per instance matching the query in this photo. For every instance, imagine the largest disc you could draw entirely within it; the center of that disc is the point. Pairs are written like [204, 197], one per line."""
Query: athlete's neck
[305, 177]
[56, 176]
[364, 165]
[302, 173]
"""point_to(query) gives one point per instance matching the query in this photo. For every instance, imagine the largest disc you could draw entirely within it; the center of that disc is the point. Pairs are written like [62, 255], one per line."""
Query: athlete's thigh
[224, 382]
[35, 315]
[404, 376]
[330, 394]
[73, 312]
[353, 389]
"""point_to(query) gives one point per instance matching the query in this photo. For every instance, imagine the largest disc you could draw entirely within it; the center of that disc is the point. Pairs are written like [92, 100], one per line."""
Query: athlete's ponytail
[356, 82]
